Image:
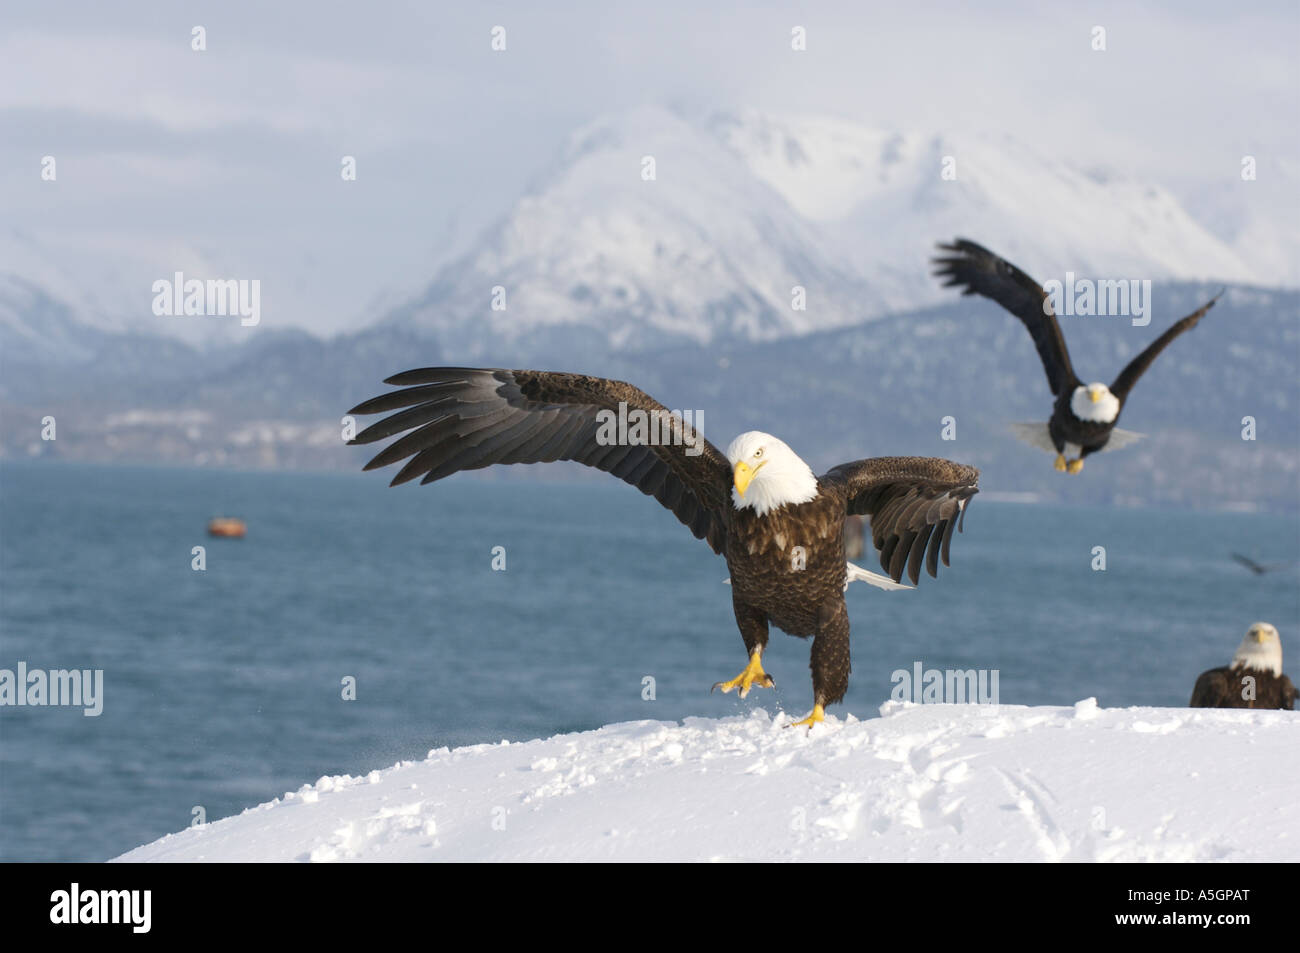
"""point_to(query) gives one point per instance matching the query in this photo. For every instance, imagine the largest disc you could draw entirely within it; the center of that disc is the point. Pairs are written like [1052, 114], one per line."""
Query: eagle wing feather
[1138, 366]
[914, 505]
[976, 270]
[464, 418]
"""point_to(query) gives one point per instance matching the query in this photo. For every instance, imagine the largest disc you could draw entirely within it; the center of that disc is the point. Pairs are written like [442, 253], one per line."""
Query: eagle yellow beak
[1094, 395]
[744, 474]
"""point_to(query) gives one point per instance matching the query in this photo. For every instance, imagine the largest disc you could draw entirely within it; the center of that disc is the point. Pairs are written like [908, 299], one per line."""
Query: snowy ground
[929, 782]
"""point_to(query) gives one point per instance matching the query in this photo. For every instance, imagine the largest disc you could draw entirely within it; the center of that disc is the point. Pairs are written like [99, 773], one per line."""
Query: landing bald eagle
[1253, 680]
[779, 526]
[1084, 416]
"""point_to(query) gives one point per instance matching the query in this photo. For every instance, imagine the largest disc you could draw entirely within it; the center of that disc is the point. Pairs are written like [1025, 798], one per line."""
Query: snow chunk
[1086, 709]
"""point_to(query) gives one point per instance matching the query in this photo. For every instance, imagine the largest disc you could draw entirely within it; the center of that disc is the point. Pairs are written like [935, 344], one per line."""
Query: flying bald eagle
[780, 527]
[1084, 416]
[1253, 680]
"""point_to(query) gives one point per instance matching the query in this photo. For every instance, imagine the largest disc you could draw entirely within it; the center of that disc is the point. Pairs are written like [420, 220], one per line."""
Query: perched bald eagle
[1253, 680]
[1084, 416]
[780, 527]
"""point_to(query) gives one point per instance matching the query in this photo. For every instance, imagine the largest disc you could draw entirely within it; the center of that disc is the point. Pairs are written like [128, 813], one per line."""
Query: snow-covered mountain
[887, 196]
[693, 248]
[55, 311]
[1259, 217]
[745, 206]
[37, 328]
[739, 210]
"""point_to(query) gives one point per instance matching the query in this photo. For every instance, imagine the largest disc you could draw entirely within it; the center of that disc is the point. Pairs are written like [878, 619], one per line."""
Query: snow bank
[928, 782]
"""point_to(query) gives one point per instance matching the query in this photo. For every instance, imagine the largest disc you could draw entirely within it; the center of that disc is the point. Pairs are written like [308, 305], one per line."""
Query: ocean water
[223, 688]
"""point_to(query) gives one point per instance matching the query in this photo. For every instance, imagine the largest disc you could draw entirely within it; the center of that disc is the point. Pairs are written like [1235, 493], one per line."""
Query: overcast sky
[227, 161]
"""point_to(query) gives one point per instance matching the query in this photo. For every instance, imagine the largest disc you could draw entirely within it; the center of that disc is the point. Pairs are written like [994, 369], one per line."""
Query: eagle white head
[1095, 404]
[767, 473]
[1261, 649]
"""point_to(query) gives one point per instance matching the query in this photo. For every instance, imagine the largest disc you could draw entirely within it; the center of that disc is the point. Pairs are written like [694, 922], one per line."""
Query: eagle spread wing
[978, 271]
[461, 418]
[914, 504]
[1137, 367]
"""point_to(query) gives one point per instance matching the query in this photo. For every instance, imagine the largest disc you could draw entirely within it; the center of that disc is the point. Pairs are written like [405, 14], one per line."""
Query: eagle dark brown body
[1240, 687]
[788, 569]
[786, 558]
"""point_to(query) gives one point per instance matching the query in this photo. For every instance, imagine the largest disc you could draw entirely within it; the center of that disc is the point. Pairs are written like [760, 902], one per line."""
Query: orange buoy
[227, 526]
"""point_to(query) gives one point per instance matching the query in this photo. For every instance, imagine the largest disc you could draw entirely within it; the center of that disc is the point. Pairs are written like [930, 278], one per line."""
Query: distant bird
[1254, 679]
[1259, 569]
[780, 527]
[1084, 416]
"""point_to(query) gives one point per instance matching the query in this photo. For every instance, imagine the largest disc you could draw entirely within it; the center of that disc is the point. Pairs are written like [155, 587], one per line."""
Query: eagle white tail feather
[1119, 439]
[871, 578]
[856, 573]
[1036, 435]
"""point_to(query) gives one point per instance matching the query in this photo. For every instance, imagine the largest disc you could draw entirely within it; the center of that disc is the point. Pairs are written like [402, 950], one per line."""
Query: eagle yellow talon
[818, 714]
[1074, 466]
[1060, 462]
[751, 676]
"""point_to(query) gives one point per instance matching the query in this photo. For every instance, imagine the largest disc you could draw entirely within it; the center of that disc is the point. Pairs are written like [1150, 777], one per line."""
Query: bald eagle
[780, 527]
[1253, 680]
[1084, 416]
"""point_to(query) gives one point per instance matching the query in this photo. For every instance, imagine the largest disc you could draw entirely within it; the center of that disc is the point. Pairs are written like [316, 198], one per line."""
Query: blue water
[223, 687]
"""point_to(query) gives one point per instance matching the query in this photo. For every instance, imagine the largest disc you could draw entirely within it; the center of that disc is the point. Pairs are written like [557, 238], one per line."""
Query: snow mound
[922, 782]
